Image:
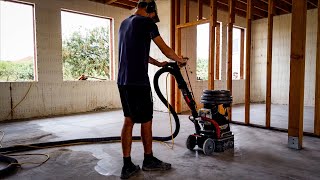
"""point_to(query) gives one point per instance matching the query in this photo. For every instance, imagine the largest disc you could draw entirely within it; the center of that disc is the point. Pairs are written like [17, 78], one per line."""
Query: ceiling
[260, 7]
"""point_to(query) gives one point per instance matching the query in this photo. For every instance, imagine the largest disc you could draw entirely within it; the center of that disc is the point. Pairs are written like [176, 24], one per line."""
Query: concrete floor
[279, 115]
[258, 153]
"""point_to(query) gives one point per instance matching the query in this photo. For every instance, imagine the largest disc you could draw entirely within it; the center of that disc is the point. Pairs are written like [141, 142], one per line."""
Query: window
[17, 42]
[86, 46]
[237, 53]
[203, 51]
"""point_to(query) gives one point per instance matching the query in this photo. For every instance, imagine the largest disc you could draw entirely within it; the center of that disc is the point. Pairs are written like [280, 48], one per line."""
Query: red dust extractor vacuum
[212, 129]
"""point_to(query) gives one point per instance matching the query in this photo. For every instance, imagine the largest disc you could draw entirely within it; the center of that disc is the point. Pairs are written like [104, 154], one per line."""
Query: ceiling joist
[259, 10]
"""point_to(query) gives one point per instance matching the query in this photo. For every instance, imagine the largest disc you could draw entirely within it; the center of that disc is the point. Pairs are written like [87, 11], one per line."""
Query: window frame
[111, 38]
[35, 57]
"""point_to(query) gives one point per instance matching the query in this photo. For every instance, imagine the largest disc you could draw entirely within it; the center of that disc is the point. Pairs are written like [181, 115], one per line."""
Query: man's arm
[156, 63]
[167, 51]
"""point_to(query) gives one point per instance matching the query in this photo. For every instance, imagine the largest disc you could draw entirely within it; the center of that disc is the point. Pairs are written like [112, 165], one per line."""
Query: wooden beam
[172, 43]
[242, 54]
[317, 96]
[126, 2]
[178, 51]
[269, 62]
[224, 7]
[248, 62]
[288, 2]
[110, 1]
[283, 6]
[121, 6]
[195, 23]
[218, 35]
[186, 11]
[200, 9]
[313, 3]
[241, 6]
[297, 73]
[230, 47]
[212, 47]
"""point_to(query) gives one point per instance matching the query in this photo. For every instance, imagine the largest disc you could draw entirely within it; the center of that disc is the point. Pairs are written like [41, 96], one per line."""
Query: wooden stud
[172, 42]
[248, 61]
[242, 54]
[230, 44]
[297, 73]
[218, 35]
[178, 51]
[200, 9]
[186, 11]
[269, 63]
[317, 96]
[212, 35]
[230, 47]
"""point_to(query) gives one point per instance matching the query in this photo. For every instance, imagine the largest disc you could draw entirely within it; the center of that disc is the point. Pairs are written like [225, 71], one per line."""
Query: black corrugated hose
[13, 163]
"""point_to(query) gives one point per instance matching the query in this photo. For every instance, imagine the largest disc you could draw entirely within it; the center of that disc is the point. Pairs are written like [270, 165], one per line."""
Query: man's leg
[150, 163]
[146, 135]
[128, 168]
[126, 136]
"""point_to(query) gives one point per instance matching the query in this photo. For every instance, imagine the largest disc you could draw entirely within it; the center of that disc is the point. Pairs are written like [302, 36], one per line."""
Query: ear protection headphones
[151, 6]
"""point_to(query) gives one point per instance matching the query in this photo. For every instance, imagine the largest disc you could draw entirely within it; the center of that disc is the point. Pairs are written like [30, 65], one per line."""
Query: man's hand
[183, 61]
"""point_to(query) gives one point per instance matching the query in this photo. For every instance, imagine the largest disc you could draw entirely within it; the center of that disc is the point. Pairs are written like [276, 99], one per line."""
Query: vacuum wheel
[208, 146]
[191, 142]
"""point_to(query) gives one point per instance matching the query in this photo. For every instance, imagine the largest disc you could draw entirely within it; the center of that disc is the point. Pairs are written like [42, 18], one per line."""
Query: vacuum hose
[12, 163]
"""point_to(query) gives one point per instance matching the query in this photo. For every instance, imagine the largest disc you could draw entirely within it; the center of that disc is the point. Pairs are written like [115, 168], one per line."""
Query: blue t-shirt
[135, 36]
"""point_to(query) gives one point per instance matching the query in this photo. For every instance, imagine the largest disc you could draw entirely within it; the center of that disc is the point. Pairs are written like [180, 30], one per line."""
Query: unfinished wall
[50, 95]
[164, 29]
[281, 59]
[189, 49]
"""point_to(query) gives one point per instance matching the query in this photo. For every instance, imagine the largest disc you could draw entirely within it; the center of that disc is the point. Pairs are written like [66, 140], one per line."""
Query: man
[135, 36]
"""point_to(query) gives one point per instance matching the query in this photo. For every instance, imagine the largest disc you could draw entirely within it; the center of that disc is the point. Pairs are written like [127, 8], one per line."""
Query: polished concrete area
[258, 153]
[279, 115]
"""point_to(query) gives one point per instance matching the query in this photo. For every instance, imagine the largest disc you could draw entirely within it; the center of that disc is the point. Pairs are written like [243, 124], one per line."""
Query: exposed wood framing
[109, 1]
[230, 47]
[317, 96]
[248, 62]
[230, 39]
[297, 73]
[212, 47]
[190, 24]
[178, 51]
[200, 9]
[128, 3]
[122, 6]
[172, 43]
[242, 54]
[186, 11]
[269, 63]
[218, 35]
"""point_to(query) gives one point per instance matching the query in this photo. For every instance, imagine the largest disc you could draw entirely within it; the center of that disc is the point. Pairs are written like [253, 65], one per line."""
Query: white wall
[281, 59]
[50, 95]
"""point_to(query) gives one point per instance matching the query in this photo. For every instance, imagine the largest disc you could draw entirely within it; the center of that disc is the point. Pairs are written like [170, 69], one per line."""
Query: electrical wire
[24, 163]
[11, 111]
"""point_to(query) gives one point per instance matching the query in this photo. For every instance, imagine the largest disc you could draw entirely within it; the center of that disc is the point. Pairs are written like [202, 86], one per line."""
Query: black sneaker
[155, 164]
[127, 172]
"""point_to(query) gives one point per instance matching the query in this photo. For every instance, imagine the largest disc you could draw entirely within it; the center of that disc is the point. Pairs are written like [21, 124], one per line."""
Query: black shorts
[137, 103]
